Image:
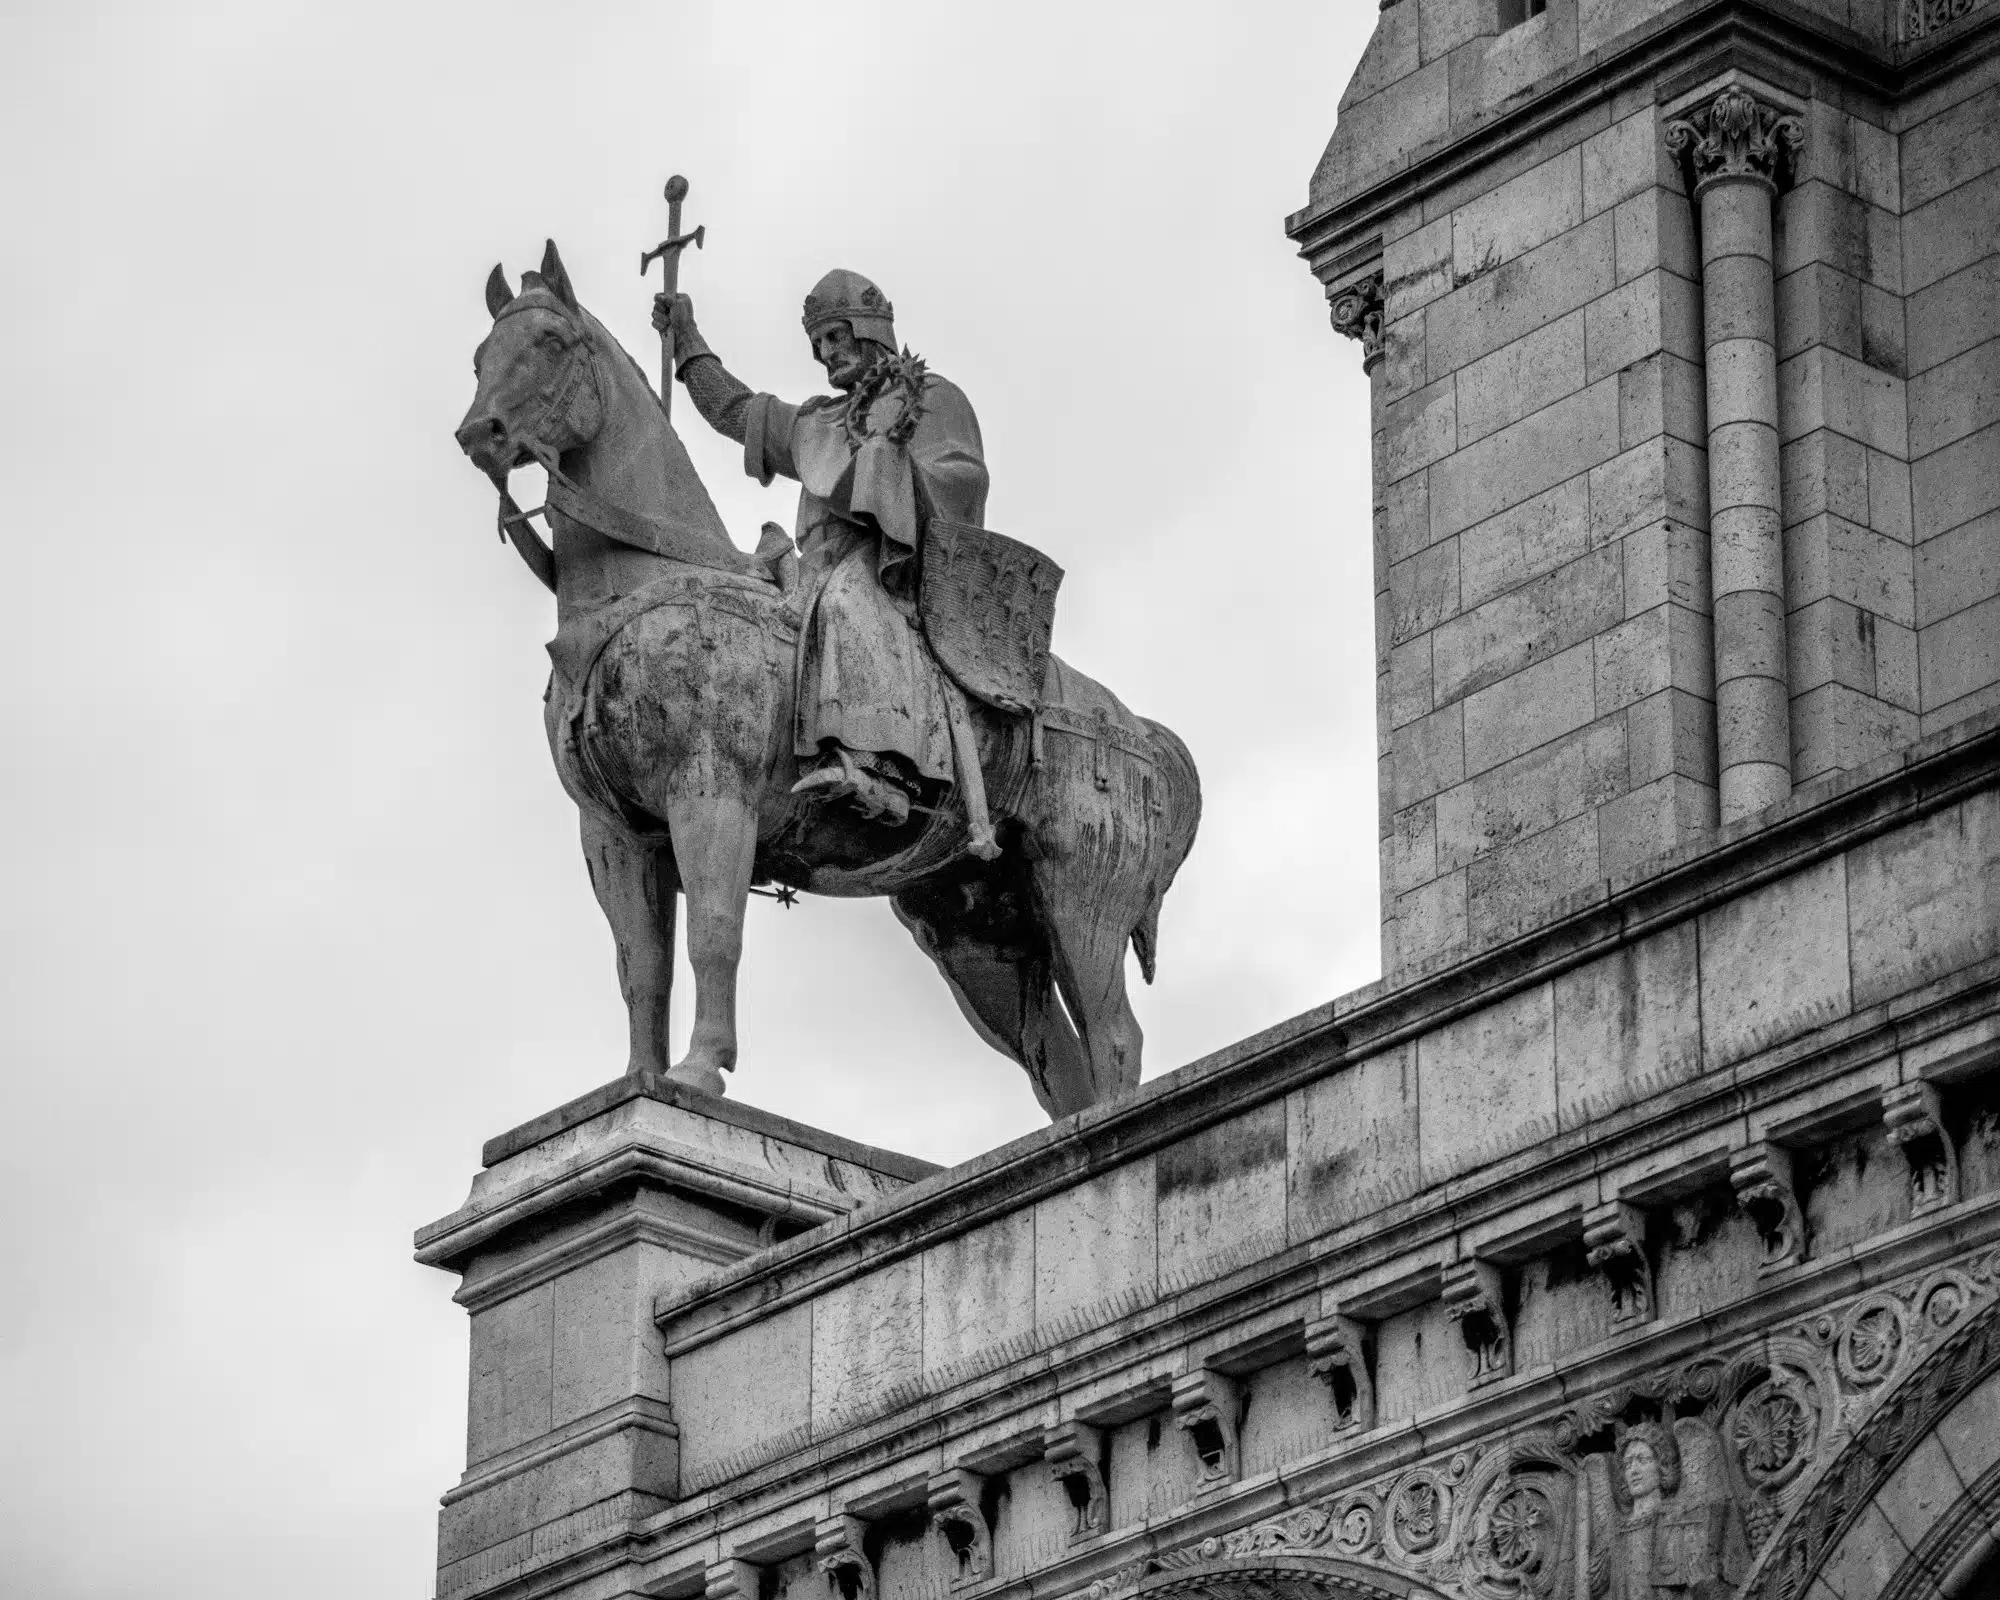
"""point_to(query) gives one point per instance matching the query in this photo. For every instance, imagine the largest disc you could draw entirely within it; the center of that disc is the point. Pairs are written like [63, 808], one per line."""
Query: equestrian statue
[867, 708]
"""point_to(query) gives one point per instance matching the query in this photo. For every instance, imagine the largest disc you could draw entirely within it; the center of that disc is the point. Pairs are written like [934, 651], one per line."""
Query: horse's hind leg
[1087, 940]
[1008, 998]
[635, 884]
[715, 845]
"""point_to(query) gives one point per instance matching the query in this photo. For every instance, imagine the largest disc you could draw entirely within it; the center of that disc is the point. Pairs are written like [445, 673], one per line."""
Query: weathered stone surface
[1774, 963]
[973, 1290]
[1096, 1242]
[1925, 901]
[754, 1386]
[1467, 1109]
[1222, 1192]
[1628, 1025]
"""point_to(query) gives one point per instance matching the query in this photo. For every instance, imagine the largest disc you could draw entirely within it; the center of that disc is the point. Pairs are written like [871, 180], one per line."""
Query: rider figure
[875, 461]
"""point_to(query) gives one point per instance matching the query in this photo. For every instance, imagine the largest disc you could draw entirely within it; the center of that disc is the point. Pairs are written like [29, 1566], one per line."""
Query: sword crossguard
[672, 246]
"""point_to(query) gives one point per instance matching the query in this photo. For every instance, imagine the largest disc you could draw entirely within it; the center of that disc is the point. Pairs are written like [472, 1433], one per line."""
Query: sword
[669, 253]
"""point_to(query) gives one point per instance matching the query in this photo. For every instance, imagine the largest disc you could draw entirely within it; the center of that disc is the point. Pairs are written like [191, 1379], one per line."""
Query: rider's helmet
[844, 296]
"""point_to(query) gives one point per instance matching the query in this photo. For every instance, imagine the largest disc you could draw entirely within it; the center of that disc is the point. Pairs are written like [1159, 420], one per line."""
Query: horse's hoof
[697, 1075]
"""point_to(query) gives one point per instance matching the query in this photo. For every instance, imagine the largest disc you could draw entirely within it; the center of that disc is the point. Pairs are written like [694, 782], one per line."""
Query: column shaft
[1746, 528]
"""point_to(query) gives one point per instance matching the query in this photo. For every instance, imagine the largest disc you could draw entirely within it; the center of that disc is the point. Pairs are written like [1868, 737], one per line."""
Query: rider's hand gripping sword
[669, 253]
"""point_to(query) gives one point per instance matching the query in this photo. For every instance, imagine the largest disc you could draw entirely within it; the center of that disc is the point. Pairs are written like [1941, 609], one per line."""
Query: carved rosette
[1357, 314]
[1736, 137]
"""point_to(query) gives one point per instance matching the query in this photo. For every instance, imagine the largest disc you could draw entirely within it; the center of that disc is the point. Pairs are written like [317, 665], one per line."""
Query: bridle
[655, 535]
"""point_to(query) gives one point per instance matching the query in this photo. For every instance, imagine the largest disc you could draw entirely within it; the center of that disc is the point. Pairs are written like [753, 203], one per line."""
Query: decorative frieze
[1207, 1406]
[1337, 1354]
[1761, 1175]
[837, 1549]
[1919, 18]
[1736, 136]
[1075, 1453]
[1614, 1238]
[960, 1521]
[1357, 314]
[1473, 1298]
[1915, 1115]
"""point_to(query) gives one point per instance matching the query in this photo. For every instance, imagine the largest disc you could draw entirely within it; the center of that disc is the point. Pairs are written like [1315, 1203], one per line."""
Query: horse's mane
[536, 291]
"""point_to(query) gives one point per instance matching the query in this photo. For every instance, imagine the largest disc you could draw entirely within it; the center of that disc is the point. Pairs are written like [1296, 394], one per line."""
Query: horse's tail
[1180, 805]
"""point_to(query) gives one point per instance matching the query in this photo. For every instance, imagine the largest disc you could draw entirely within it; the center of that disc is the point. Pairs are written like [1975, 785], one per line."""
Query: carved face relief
[1642, 1471]
[845, 357]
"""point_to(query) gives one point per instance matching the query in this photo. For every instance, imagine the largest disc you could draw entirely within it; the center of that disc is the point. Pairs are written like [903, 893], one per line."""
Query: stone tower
[1679, 324]
[1638, 1237]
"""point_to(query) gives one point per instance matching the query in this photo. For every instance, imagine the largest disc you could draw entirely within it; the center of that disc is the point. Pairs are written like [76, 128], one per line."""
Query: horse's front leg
[635, 884]
[715, 843]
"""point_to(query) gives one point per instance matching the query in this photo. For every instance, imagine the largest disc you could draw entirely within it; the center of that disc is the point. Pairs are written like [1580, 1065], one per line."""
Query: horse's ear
[556, 276]
[497, 292]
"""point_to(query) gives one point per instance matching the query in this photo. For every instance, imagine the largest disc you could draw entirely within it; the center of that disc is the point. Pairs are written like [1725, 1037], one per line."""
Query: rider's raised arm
[761, 423]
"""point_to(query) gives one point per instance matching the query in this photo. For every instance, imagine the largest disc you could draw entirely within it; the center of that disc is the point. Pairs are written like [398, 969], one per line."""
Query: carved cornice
[1761, 1174]
[1614, 1235]
[1914, 1113]
[1736, 138]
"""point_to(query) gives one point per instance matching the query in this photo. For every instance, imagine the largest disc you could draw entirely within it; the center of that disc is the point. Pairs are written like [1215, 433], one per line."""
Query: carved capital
[1357, 314]
[1735, 136]
[730, 1579]
[1761, 1175]
[1337, 1354]
[1075, 1452]
[961, 1522]
[1207, 1406]
[1474, 1299]
[837, 1551]
[1915, 1115]
[1614, 1238]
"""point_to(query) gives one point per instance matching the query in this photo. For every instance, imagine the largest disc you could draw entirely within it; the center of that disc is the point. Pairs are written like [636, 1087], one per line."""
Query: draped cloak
[866, 677]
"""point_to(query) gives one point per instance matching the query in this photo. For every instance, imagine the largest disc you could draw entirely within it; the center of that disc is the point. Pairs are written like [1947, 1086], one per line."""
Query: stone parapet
[1726, 1074]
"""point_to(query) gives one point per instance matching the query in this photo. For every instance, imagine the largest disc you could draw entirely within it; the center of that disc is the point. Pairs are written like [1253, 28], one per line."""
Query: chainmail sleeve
[722, 400]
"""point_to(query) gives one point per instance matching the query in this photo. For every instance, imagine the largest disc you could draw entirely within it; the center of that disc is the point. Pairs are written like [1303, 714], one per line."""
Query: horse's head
[539, 389]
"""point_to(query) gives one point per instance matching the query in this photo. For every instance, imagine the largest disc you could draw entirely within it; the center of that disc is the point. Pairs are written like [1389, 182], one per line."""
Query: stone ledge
[1808, 829]
[656, 1086]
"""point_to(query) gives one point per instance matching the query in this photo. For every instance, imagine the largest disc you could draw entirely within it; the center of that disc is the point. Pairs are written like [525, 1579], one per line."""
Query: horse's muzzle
[484, 440]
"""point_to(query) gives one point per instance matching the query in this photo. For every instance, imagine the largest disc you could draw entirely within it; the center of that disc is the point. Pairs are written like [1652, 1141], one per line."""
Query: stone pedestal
[576, 1222]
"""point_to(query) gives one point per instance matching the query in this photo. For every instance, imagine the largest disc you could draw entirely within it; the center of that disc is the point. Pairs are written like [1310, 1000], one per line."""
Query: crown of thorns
[871, 302]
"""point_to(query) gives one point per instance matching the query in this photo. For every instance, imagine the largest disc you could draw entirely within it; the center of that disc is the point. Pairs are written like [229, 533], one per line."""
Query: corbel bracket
[1614, 1237]
[1761, 1175]
[1337, 1354]
[961, 1523]
[1357, 309]
[1207, 1405]
[1915, 1115]
[1075, 1452]
[1473, 1298]
[730, 1579]
[837, 1550]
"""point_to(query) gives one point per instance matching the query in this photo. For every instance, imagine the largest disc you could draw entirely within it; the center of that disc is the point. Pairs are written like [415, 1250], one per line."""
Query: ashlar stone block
[867, 1338]
[1628, 1025]
[1539, 703]
[1521, 460]
[972, 1290]
[752, 1385]
[1487, 1083]
[1222, 1191]
[1774, 963]
[1925, 899]
[1097, 1242]
[1520, 378]
[1528, 624]
[1520, 885]
[1351, 1140]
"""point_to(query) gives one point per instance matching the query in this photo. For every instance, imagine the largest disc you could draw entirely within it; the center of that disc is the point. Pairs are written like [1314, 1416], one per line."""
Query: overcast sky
[294, 915]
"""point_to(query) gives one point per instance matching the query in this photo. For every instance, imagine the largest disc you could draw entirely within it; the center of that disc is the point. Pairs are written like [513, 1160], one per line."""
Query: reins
[670, 540]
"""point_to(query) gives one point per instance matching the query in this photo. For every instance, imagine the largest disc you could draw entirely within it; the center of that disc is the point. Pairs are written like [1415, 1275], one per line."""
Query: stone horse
[670, 715]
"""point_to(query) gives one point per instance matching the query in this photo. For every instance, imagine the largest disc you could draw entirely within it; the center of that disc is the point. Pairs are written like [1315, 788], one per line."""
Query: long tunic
[866, 677]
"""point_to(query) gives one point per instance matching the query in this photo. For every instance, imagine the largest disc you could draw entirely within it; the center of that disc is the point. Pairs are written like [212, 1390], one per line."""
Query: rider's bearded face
[845, 357]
